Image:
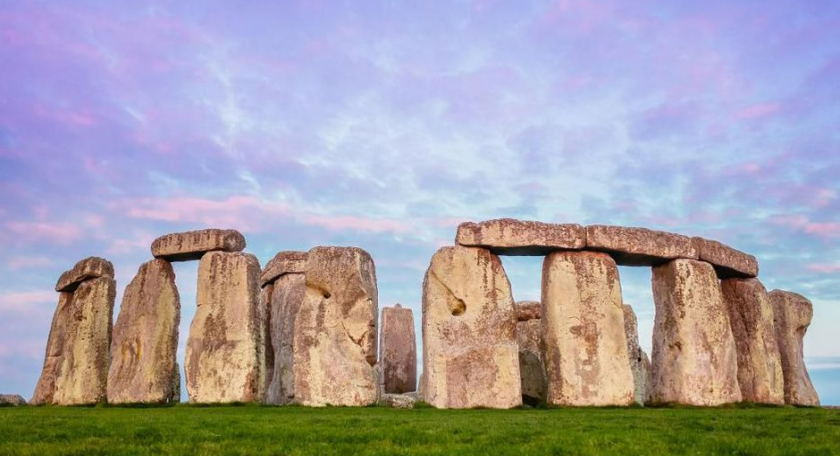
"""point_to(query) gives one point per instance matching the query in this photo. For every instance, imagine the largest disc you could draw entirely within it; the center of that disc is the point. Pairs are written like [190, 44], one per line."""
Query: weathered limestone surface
[470, 354]
[792, 314]
[76, 362]
[266, 294]
[398, 351]
[283, 263]
[286, 299]
[639, 246]
[639, 362]
[145, 341]
[14, 400]
[176, 385]
[585, 347]
[89, 268]
[759, 362]
[192, 245]
[224, 356]
[518, 237]
[402, 401]
[728, 262]
[531, 366]
[694, 357]
[335, 330]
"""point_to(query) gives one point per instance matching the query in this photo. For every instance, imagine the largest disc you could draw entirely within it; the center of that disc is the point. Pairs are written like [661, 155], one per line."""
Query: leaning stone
[398, 350]
[335, 330]
[283, 263]
[14, 400]
[585, 347]
[639, 246]
[401, 401]
[192, 245]
[792, 315]
[519, 237]
[639, 362]
[76, 365]
[759, 362]
[470, 354]
[224, 358]
[145, 342]
[727, 261]
[694, 357]
[286, 298]
[89, 268]
[531, 365]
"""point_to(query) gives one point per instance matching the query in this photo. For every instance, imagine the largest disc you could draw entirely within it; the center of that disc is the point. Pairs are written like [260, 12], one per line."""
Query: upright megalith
[470, 354]
[284, 287]
[759, 363]
[76, 362]
[585, 347]
[335, 330]
[192, 245]
[145, 341]
[398, 351]
[531, 365]
[224, 357]
[639, 361]
[792, 315]
[694, 357]
[521, 237]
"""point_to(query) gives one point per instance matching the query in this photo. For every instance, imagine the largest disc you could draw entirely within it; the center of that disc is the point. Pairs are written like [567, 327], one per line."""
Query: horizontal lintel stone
[631, 246]
[728, 262]
[283, 263]
[521, 238]
[89, 268]
[192, 245]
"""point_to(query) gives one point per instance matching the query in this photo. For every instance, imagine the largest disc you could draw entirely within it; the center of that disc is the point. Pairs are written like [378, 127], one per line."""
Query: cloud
[16, 263]
[42, 232]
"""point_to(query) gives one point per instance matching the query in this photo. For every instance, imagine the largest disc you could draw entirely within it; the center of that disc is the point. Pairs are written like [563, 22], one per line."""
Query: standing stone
[585, 347]
[145, 342]
[13, 400]
[398, 351]
[694, 357]
[531, 365]
[639, 362]
[266, 294]
[759, 362]
[792, 316]
[470, 354]
[192, 245]
[335, 330]
[224, 356]
[76, 363]
[176, 385]
[286, 299]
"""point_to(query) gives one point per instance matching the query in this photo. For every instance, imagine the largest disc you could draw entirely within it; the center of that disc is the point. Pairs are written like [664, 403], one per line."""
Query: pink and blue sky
[384, 124]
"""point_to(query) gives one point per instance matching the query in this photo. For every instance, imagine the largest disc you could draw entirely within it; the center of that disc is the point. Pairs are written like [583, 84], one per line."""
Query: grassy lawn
[195, 430]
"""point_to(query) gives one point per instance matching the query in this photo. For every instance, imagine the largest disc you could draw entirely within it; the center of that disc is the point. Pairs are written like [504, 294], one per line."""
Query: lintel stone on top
[283, 263]
[639, 246]
[728, 262]
[521, 238]
[89, 268]
[192, 245]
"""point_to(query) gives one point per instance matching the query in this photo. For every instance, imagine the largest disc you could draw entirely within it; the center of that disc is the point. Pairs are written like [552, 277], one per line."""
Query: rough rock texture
[286, 299]
[397, 401]
[76, 362]
[792, 315]
[224, 357]
[14, 400]
[639, 362]
[176, 385]
[266, 294]
[335, 330]
[145, 341]
[531, 366]
[192, 245]
[283, 263]
[639, 246]
[694, 357]
[89, 268]
[727, 261]
[470, 354]
[759, 362]
[585, 348]
[398, 350]
[518, 237]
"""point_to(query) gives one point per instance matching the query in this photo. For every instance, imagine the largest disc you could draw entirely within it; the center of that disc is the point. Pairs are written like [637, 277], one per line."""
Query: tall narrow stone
[398, 351]
[286, 299]
[266, 294]
[639, 361]
[224, 358]
[145, 342]
[694, 357]
[792, 316]
[470, 354]
[76, 363]
[335, 330]
[531, 365]
[585, 347]
[759, 362]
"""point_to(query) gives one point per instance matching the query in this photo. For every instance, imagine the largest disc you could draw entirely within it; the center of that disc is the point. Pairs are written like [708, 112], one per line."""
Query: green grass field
[192, 430]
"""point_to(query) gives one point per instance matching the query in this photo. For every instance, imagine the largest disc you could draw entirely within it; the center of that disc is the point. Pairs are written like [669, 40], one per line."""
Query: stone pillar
[759, 363]
[335, 331]
[398, 351]
[145, 342]
[470, 354]
[639, 361]
[792, 316]
[694, 356]
[224, 359]
[531, 365]
[585, 347]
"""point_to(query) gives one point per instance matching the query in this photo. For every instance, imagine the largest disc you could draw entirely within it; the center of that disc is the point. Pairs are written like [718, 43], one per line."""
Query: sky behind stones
[383, 124]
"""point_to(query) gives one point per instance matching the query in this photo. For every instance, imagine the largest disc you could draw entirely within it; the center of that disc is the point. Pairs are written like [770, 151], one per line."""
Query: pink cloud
[48, 232]
[824, 268]
[824, 230]
[758, 110]
[338, 223]
[27, 301]
[24, 262]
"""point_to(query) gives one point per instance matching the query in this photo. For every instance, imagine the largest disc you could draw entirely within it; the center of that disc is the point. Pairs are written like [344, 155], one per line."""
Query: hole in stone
[459, 307]
[326, 294]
